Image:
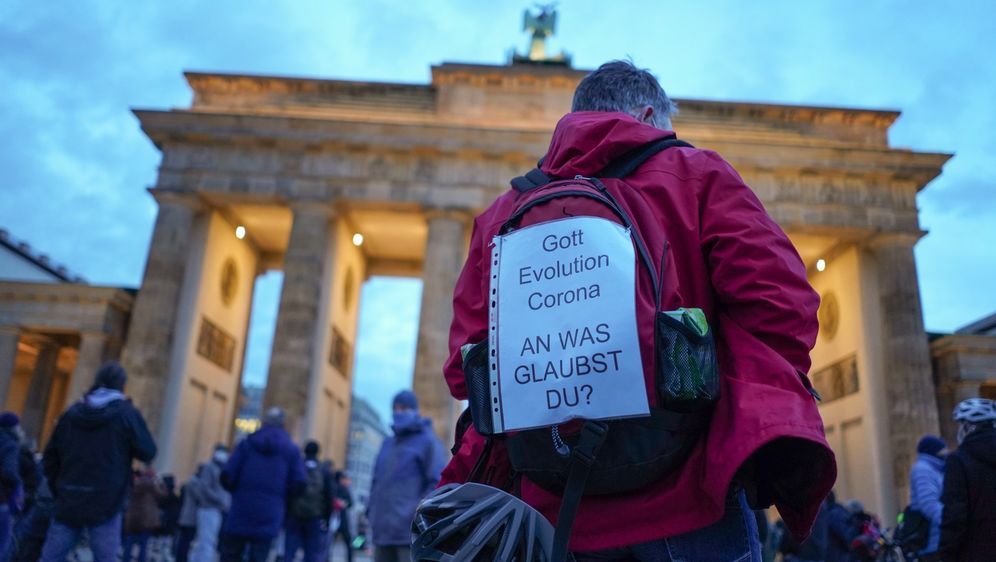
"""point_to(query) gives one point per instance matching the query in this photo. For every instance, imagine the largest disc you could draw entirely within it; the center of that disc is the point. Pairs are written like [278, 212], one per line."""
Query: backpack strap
[593, 434]
[630, 161]
[618, 168]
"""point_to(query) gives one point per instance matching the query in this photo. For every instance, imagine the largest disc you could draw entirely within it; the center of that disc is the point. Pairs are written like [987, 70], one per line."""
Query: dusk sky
[76, 165]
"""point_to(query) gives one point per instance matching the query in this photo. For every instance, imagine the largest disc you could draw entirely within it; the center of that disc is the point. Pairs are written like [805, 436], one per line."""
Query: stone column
[909, 386]
[8, 360]
[146, 356]
[444, 257]
[88, 359]
[298, 329]
[36, 404]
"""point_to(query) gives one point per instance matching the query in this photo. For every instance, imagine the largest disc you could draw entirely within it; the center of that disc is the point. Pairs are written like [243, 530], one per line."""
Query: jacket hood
[90, 414]
[981, 446]
[269, 440]
[932, 461]
[418, 425]
[585, 142]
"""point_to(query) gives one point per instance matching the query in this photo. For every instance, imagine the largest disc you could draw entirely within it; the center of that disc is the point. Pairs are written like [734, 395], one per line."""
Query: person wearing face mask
[213, 503]
[407, 469]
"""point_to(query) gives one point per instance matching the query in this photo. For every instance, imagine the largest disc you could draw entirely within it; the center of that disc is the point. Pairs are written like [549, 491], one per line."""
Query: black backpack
[310, 504]
[913, 531]
[614, 456]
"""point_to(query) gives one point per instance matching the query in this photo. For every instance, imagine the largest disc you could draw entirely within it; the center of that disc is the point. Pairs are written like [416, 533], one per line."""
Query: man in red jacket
[765, 443]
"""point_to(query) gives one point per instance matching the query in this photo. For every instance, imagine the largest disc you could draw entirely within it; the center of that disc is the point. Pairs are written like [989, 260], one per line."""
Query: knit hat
[9, 420]
[405, 398]
[931, 445]
[274, 417]
[110, 375]
[311, 449]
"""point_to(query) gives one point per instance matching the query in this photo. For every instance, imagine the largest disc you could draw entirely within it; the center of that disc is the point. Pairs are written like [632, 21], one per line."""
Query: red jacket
[732, 261]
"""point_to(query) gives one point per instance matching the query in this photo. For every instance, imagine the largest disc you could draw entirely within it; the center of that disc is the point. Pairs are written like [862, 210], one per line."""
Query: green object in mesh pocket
[686, 358]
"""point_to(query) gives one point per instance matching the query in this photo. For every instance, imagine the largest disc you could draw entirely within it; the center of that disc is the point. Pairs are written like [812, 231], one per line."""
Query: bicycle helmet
[975, 410]
[475, 522]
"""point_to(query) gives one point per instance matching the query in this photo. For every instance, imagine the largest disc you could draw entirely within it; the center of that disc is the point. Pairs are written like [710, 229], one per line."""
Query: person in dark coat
[88, 467]
[169, 506]
[343, 503]
[142, 518]
[968, 520]
[407, 468]
[265, 471]
[309, 511]
[841, 530]
[10, 478]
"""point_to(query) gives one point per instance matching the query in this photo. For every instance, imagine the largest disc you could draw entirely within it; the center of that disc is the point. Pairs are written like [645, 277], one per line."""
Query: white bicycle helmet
[975, 410]
[475, 522]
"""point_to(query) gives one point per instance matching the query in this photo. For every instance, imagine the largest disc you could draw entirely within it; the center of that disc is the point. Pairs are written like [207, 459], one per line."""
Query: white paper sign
[563, 325]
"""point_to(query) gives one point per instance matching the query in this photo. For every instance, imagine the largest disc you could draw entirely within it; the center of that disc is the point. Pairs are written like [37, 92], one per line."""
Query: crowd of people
[721, 424]
[94, 486]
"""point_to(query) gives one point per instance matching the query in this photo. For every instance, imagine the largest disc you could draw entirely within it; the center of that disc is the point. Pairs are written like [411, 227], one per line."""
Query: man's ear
[647, 115]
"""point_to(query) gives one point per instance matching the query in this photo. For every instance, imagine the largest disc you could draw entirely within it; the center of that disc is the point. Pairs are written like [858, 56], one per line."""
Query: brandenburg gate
[265, 172]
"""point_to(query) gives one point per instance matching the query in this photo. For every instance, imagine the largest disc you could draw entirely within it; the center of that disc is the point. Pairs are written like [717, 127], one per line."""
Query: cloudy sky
[76, 165]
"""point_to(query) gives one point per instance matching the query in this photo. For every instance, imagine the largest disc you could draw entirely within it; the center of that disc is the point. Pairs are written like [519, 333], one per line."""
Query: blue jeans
[142, 540]
[306, 534]
[732, 539]
[105, 540]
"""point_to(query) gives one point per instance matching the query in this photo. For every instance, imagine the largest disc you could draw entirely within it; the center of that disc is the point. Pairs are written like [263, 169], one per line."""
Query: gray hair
[620, 86]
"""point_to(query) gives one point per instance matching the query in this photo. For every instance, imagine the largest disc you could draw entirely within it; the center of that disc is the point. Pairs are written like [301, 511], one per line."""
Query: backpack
[310, 504]
[589, 457]
[913, 531]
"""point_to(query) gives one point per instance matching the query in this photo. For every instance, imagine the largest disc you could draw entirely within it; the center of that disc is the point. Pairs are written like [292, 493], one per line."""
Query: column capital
[313, 207]
[451, 213]
[892, 239]
[190, 200]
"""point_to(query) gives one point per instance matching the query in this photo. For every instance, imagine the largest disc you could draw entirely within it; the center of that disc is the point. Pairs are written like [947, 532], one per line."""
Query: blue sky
[76, 165]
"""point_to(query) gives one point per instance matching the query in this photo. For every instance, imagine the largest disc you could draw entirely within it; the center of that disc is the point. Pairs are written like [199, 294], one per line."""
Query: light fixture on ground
[821, 264]
[240, 232]
[357, 239]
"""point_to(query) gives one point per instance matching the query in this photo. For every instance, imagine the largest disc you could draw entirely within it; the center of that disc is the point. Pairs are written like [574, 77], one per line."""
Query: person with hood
[406, 470]
[926, 485]
[968, 519]
[263, 473]
[87, 464]
[309, 510]
[10, 478]
[213, 502]
[721, 253]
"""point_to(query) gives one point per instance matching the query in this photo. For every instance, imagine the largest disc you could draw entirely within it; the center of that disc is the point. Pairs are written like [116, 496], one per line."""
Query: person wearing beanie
[926, 484]
[87, 464]
[264, 472]
[407, 469]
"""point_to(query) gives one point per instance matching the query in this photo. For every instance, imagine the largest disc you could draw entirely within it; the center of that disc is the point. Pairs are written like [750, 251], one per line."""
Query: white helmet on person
[975, 410]
[972, 414]
[463, 522]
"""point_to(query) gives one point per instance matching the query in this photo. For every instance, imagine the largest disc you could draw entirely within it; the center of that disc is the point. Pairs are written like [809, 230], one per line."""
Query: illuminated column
[153, 319]
[298, 322]
[33, 417]
[8, 356]
[88, 360]
[444, 257]
[909, 386]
